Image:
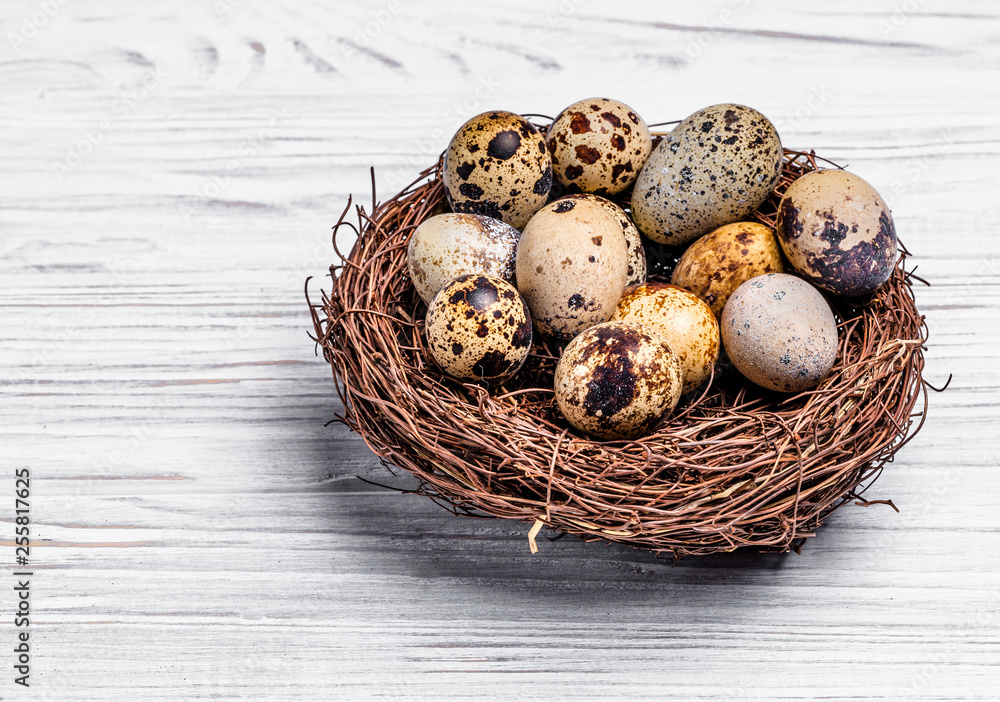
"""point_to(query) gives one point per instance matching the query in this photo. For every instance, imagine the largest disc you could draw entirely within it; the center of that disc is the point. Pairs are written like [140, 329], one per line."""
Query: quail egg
[479, 329]
[617, 381]
[497, 165]
[636, 251]
[715, 167]
[598, 146]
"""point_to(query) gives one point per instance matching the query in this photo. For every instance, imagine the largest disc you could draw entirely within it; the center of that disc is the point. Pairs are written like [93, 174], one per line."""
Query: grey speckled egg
[479, 329]
[449, 245]
[598, 146]
[572, 263]
[837, 232]
[779, 332]
[636, 251]
[617, 381]
[715, 167]
[497, 165]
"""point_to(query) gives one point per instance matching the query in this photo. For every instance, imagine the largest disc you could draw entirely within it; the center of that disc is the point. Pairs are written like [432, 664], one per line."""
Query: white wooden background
[170, 173]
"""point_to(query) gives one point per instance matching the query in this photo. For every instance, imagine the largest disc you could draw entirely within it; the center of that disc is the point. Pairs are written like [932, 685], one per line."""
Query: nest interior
[733, 466]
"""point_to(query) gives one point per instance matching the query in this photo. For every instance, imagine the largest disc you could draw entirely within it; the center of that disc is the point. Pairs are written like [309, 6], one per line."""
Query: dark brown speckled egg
[479, 329]
[598, 146]
[715, 167]
[837, 232]
[617, 381]
[497, 165]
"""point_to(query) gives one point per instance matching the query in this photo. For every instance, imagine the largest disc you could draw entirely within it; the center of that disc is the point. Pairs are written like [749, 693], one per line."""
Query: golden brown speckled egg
[780, 333]
[837, 232]
[479, 329]
[598, 146]
[715, 167]
[453, 244]
[719, 262]
[617, 381]
[683, 320]
[572, 263]
[636, 251]
[497, 165]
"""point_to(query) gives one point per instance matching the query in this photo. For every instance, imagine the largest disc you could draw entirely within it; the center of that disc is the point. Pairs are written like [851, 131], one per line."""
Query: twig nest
[837, 232]
[780, 333]
[617, 381]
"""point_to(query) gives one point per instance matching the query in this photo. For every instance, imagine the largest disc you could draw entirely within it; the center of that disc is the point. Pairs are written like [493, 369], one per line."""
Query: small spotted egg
[449, 245]
[681, 319]
[837, 232]
[479, 329]
[617, 381]
[572, 263]
[715, 167]
[780, 333]
[497, 165]
[598, 146]
[719, 262]
[636, 251]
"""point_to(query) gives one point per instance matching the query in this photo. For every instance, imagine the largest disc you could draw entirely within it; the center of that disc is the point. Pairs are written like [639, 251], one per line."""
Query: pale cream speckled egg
[598, 146]
[617, 381]
[479, 329]
[449, 245]
[497, 165]
[719, 262]
[683, 320]
[572, 264]
[715, 167]
[780, 333]
[636, 251]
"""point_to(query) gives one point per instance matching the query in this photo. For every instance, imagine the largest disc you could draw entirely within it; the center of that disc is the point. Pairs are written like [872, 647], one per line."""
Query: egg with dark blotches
[715, 167]
[636, 251]
[479, 329]
[780, 332]
[837, 232]
[497, 165]
[617, 381]
[572, 264]
[682, 319]
[722, 260]
[449, 245]
[598, 146]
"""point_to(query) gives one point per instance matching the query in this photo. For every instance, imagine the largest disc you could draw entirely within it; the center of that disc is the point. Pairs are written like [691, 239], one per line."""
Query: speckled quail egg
[453, 244]
[479, 329]
[636, 251]
[598, 146]
[497, 165]
[617, 380]
[713, 168]
[837, 232]
[780, 333]
[719, 262]
[572, 264]
[683, 320]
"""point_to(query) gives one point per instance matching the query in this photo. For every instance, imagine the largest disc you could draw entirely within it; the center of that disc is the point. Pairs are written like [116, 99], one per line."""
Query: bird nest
[733, 466]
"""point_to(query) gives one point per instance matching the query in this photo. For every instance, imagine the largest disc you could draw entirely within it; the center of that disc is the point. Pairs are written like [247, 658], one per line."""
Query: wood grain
[171, 173]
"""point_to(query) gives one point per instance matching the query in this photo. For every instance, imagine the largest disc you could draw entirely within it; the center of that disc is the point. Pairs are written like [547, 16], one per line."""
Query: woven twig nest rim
[734, 466]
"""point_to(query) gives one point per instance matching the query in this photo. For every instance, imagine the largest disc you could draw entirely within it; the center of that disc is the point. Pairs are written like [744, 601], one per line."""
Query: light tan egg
[617, 381]
[780, 332]
[449, 245]
[572, 264]
[683, 320]
[714, 168]
[719, 262]
[497, 165]
[636, 251]
[837, 232]
[479, 329]
[598, 146]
